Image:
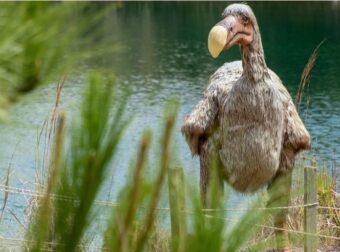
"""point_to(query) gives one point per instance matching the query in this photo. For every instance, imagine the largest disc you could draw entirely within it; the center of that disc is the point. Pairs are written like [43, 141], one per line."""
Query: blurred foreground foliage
[40, 41]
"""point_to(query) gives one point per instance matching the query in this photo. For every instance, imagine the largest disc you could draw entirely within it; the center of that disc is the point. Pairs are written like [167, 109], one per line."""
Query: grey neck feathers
[253, 62]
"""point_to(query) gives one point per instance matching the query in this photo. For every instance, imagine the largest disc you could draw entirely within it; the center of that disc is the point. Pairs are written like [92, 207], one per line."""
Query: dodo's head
[238, 26]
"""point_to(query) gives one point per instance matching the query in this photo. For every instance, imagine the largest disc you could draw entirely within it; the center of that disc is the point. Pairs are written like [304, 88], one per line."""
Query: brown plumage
[247, 118]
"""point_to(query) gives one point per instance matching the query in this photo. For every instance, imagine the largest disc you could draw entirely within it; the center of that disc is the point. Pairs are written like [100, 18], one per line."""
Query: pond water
[163, 54]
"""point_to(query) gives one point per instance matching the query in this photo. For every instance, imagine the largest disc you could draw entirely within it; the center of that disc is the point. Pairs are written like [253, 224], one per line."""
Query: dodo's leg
[204, 173]
[279, 196]
[209, 161]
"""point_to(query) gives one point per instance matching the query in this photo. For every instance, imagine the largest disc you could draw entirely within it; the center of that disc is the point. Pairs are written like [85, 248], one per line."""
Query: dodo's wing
[204, 117]
[296, 136]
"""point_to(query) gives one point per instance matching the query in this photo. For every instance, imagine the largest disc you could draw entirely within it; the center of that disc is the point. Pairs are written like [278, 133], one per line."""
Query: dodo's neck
[253, 62]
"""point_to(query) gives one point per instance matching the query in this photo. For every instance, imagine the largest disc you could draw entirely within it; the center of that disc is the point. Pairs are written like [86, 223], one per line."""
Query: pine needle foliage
[129, 228]
[78, 176]
[42, 40]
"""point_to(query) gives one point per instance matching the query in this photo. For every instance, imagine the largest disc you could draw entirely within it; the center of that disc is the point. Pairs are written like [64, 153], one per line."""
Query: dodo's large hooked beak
[217, 40]
[230, 31]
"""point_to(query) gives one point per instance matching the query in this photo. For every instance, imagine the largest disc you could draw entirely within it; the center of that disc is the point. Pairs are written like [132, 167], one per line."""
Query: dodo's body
[246, 119]
[255, 130]
[252, 121]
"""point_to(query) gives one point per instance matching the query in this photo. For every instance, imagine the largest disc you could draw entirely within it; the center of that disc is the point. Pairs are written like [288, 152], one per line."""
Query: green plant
[127, 231]
[42, 40]
[78, 174]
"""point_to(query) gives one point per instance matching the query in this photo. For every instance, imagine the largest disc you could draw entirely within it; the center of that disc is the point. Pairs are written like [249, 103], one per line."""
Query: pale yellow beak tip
[216, 40]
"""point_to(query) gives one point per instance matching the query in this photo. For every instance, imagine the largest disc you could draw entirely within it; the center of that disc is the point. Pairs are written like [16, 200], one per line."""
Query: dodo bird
[246, 118]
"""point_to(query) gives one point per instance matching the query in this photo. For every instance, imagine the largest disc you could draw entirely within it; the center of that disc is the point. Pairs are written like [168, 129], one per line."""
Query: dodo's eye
[245, 20]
